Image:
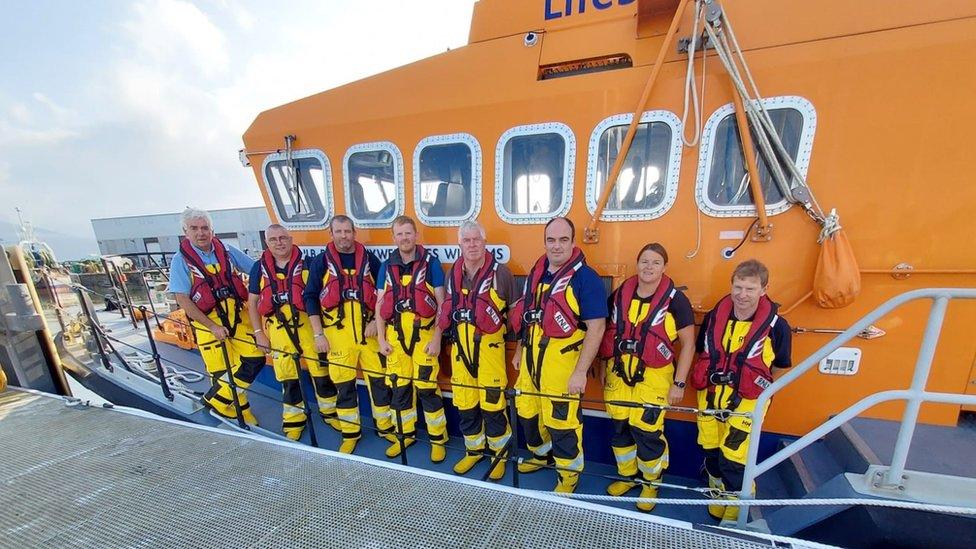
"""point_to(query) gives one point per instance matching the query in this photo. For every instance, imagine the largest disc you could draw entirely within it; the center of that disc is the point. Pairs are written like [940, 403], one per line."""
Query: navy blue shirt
[588, 290]
[316, 271]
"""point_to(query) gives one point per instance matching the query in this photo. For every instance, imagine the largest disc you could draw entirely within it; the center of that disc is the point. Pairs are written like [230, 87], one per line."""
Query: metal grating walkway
[74, 476]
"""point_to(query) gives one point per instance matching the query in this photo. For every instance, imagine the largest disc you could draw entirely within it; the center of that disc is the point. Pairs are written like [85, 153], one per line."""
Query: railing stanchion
[155, 355]
[308, 406]
[923, 365]
[94, 331]
[513, 441]
[239, 411]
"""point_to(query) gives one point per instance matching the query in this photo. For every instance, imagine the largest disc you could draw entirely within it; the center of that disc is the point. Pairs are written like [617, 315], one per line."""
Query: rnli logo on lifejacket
[663, 349]
[493, 315]
[562, 322]
[565, 8]
[762, 382]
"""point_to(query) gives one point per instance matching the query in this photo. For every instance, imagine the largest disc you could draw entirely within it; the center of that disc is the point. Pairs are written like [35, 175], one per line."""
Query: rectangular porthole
[299, 188]
[373, 178]
[534, 172]
[447, 179]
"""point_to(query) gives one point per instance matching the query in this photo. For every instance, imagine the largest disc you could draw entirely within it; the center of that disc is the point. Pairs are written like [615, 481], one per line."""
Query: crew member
[275, 304]
[479, 291]
[744, 345]
[340, 298]
[411, 292]
[205, 278]
[560, 317]
[647, 315]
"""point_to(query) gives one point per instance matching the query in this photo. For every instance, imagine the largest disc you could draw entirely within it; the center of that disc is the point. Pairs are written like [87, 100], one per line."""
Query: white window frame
[809, 115]
[670, 178]
[449, 139]
[398, 175]
[326, 183]
[569, 170]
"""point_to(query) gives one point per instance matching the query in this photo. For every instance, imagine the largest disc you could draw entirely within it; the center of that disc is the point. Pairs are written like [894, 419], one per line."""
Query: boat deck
[80, 476]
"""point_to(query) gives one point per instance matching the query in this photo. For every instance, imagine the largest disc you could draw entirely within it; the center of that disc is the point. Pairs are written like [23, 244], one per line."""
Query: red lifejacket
[743, 368]
[341, 287]
[647, 339]
[276, 292]
[550, 308]
[416, 297]
[476, 307]
[208, 289]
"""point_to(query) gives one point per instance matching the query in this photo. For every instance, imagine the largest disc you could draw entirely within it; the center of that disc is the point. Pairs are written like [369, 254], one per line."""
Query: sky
[119, 107]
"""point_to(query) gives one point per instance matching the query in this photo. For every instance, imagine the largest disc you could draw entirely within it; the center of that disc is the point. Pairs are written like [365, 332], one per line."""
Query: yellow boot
[466, 463]
[647, 491]
[394, 449]
[532, 464]
[618, 488]
[567, 483]
[348, 445]
[498, 470]
[437, 453]
[716, 511]
[332, 421]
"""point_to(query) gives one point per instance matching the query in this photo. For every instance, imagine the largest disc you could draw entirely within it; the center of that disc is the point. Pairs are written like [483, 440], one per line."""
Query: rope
[690, 89]
[830, 226]
[953, 509]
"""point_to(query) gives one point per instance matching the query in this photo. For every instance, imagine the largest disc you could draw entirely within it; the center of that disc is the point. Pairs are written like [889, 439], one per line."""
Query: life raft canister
[743, 368]
[276, 292]
[647, 339]
[415, 297]
[207, 289]
[476, 307]
[550, 307]
[342, 287]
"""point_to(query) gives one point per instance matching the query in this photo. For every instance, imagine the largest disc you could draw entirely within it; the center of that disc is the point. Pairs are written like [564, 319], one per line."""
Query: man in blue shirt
[206, 280]
[560, 319]
[410, 293]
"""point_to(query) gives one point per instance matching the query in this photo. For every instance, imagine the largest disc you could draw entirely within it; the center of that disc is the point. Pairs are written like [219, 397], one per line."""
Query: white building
[161, 233]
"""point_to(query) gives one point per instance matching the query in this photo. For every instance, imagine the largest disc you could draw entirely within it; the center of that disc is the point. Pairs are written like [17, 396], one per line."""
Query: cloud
[178, 36]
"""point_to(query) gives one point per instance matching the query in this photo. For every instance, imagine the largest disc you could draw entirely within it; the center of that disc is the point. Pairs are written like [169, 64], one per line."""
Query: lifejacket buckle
[627, 346]
[280, 298]
[532, 317]
[222, 293]
[350, 294]
[403, 306]
[462, 315]
[720, 378]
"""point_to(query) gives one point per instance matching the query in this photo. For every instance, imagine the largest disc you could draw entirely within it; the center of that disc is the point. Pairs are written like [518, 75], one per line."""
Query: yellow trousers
[479, 395]
[422, 369]
[551, 423]
[243, 359]
[346, 354]
[725, 442]
[286, 371]
[638, 441]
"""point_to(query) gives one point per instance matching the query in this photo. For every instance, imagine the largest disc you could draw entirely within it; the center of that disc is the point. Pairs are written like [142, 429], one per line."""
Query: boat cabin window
[373, 174]
[447, 179]
[648, 182]
[723, 184]
[300, 190]
[534, 172]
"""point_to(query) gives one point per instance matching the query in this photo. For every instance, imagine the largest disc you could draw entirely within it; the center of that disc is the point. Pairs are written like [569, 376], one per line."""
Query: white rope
[953, 509]
[831, 225]
[690, 88]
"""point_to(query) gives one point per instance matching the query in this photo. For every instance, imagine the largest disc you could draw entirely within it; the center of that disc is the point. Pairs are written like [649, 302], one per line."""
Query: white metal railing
[914, 395]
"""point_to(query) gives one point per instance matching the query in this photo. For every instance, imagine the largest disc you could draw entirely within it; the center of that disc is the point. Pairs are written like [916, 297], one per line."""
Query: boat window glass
[300, 190]
[447, 179]
[373, 174]
[534, 172]
[723, 186]
[648, 182]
